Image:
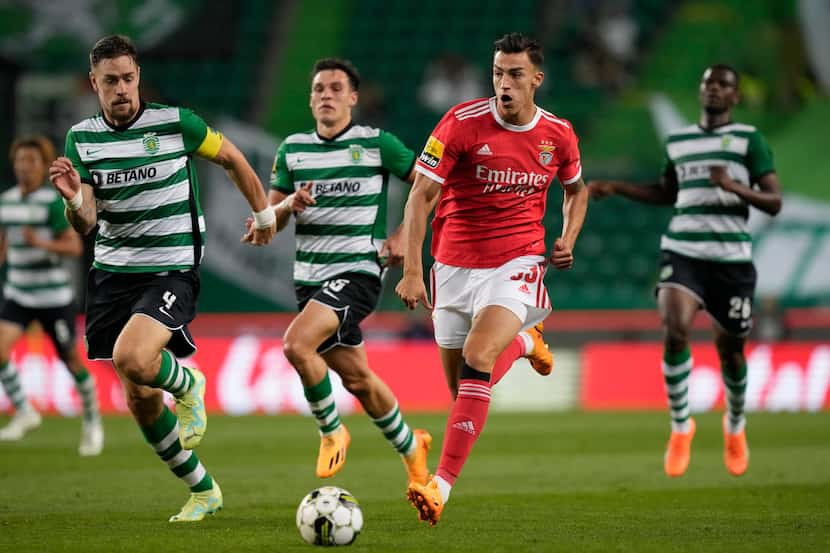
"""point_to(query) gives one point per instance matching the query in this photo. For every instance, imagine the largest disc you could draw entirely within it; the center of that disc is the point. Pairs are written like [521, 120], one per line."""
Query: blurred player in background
[492, 160]
[714, 171]
[39, 288]
[334, 180]
[129, 169]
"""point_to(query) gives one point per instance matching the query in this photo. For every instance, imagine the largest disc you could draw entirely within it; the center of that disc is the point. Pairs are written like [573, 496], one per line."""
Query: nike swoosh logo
[92, 152]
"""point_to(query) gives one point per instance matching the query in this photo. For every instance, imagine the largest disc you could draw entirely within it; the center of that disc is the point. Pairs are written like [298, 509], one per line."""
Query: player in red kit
[492, 161]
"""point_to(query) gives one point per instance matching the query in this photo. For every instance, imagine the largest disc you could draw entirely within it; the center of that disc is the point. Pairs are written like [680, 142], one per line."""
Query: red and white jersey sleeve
[495, 177]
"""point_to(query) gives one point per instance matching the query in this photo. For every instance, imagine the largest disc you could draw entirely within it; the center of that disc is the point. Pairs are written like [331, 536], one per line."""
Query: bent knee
[296, 350]
[134, 364]
[480, 359]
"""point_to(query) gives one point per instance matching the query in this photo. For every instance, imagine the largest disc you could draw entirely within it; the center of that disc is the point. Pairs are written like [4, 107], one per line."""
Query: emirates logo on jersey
[509, 180]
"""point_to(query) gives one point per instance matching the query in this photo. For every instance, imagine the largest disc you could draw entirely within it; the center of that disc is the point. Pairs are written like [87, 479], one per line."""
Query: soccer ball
[329, 516]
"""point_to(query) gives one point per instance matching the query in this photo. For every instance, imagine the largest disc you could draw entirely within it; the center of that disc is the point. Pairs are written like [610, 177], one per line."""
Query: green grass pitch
[540, 482]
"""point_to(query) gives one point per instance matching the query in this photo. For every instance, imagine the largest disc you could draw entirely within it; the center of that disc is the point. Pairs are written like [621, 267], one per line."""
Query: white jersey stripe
[126, 149]
[430, 174]
[553, 119]
[338, 215]
[473, 107]
[150, 199]
[330, 160]
[478, 113]
[127, 256]
[174, 224]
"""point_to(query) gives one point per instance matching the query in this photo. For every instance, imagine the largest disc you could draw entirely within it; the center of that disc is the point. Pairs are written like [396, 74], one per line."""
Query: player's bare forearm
[421, 200]
[242, 174]
[84, 219]
[768, 202]
[574, 208]
[282, 209]
[767, 199]
[67, 243]
[414, 231]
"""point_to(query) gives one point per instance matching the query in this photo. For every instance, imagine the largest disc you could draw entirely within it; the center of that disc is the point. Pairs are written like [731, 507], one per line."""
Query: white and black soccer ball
[329, 516]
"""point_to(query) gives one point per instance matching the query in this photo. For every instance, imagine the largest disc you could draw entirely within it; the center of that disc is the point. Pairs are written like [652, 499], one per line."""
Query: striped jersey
[344, 230]
[145, 187]
[36, 278]
[709, 222]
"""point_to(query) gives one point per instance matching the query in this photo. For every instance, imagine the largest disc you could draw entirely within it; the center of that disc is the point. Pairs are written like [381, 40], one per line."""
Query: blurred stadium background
[623, 72]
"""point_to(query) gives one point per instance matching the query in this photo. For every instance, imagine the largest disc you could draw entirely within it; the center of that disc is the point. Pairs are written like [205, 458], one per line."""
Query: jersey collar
[125, 126]
[346, 129]
[714, 127]
[509, 126]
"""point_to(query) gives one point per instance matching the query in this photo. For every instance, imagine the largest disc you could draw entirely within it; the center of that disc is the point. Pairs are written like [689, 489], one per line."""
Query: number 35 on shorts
[740, 308]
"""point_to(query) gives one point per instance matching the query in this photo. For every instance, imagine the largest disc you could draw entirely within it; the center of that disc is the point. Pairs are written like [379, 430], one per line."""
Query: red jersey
[495, 177]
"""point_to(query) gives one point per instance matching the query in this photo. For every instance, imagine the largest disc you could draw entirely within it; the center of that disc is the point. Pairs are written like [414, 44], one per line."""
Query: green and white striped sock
[735, 384]
[85, 384]
[676, 370]
[396, 431]
[176, 379]
[321, 401]
[11, 384]
[163, 437]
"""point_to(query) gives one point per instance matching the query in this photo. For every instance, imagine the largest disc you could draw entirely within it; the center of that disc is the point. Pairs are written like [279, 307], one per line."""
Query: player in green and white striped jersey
[715, 171]
[130, 170]
[38, 287]
[334, 179]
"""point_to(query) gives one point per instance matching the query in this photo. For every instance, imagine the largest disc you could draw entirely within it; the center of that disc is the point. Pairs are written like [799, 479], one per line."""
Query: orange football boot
[416, 464]
[426, 498]
[541, 359]
[332, 455]
[735, 451]
[679, 451]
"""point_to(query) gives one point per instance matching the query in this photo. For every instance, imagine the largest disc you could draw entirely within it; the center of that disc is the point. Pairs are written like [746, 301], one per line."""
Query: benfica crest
[546, 153]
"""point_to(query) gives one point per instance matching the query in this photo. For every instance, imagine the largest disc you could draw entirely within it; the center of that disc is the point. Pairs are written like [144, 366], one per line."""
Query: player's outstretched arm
[79, 198]
[422, 197]
[662, 193]
[247, 181]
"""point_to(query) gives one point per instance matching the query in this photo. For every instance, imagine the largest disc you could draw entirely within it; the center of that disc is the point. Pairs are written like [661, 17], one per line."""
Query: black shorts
[112, 298]
[724, 290]
[57, 322]
[352, 296]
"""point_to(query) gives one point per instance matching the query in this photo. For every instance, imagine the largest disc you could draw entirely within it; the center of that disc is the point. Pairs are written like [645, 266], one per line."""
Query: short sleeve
[57, 219]
[758, 157]
[71, 151]
[194, 130]
[394, 156]
[281, 178]
[442, 150]
[570, 166]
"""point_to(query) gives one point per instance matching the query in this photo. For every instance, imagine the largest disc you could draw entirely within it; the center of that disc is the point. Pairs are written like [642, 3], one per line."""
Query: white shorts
[458, 294]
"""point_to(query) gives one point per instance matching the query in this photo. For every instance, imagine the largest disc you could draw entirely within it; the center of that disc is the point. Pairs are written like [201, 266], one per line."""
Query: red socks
[466, 420]
[514, 351]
